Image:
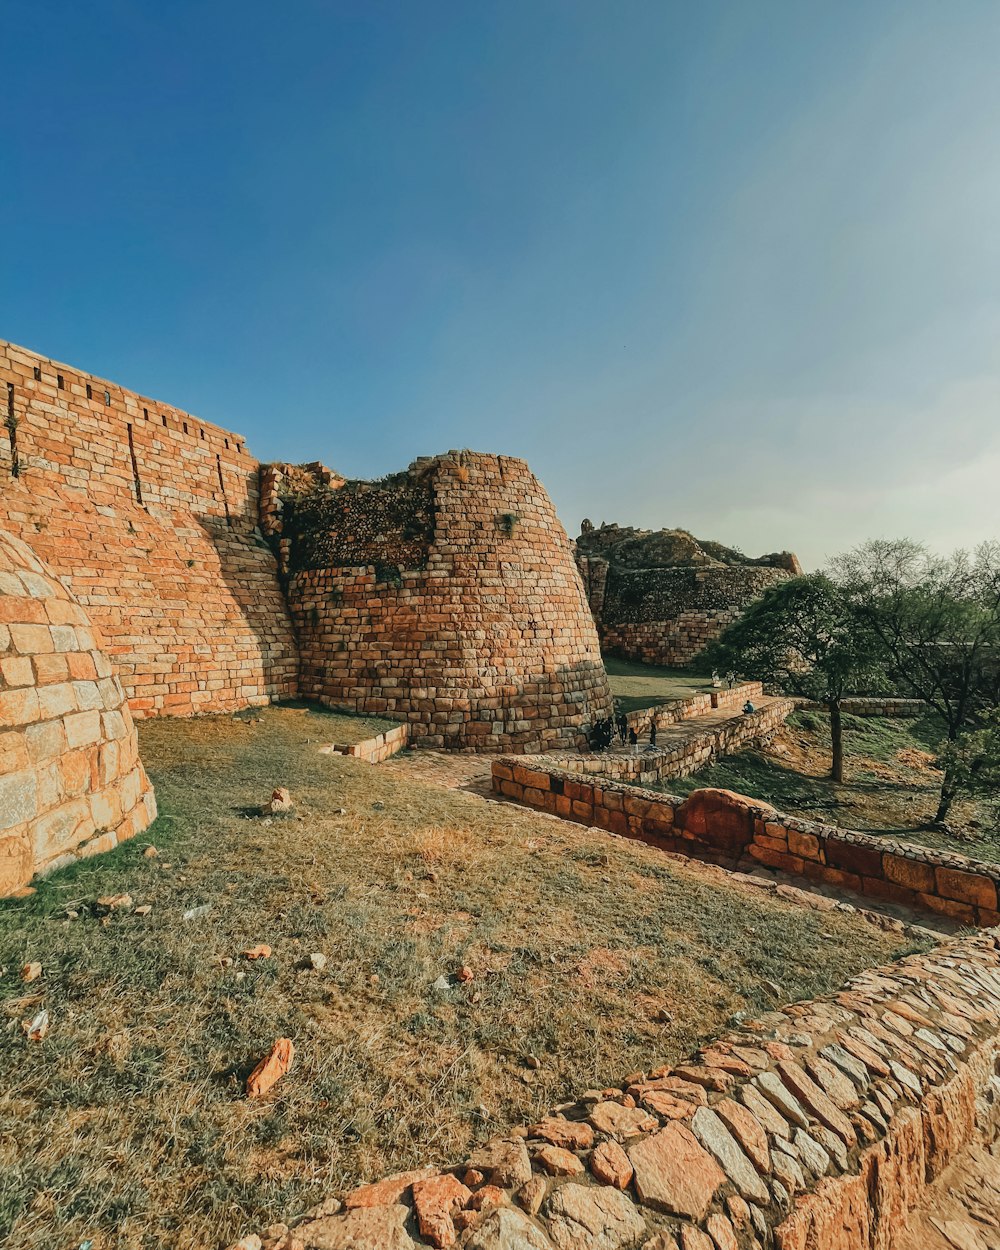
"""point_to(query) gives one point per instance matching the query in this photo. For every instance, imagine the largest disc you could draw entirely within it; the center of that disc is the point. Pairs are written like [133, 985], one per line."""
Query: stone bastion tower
[151, 566]
[446, 596]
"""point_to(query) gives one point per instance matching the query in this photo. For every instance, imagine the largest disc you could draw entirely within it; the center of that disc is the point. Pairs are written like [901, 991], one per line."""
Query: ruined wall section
[150, 515]
[662, 597]
[446, 597]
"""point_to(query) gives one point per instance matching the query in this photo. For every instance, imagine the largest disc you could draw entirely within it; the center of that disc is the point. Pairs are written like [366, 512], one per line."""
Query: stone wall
[693, 706]
[150, 514]
[823, 1126]
[661, 597]
[729, 829]
[445, 597]
[873, 706]
[674, 755]
[372, 750]
[71, 783]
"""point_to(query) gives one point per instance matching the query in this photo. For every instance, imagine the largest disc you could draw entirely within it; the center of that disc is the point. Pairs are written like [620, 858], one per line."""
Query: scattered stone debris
[317, 961]
[31, 971]
[195, 913]
[108, 903]
[258, 952]
[279, 804]
[464, 974]
[271, 1069]
[144, 910]
[150, 852]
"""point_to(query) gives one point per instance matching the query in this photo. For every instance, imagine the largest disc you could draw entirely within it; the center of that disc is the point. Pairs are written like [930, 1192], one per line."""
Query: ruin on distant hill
[661, 596]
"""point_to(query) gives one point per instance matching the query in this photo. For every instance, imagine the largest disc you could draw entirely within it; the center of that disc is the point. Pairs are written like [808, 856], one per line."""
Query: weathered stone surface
[717, 1139]
[558, 1162]
[748, 1131]
[570, 1134]
[722, 1232]
[387, 1191]
[436, 1200]
[810, 1095]
[508, 1229]
[782, 1100]
[674, 1173]
[364, 1228]
[610, 1165]
[504, 1161]
[621, 1122]
[588, 1217]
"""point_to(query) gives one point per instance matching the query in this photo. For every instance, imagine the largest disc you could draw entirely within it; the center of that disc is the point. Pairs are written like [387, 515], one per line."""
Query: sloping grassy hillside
[128, 1125]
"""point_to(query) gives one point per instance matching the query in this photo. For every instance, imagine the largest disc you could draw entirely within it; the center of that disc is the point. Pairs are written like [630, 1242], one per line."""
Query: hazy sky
[733, 267]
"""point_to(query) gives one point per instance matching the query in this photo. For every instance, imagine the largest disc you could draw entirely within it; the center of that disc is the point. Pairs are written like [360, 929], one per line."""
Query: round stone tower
[446, 596]
[71, 783]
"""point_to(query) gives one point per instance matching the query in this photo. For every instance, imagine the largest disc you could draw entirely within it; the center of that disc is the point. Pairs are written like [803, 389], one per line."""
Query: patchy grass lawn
[636, 685]
[128, 1125]
[891, 786]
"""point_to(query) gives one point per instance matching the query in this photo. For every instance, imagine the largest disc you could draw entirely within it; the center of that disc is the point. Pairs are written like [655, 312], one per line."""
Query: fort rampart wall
[149, 515]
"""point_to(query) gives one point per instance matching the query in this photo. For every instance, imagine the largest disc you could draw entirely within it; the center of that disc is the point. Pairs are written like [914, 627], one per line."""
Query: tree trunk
[837, 738]
[948, 795]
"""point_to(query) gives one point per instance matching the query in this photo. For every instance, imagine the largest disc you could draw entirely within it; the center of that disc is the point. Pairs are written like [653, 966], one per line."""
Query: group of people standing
[604, 730]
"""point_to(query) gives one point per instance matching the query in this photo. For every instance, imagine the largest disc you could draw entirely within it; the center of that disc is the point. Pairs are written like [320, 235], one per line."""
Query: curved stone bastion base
[446, 597]
[71, 782]
[819, 1127]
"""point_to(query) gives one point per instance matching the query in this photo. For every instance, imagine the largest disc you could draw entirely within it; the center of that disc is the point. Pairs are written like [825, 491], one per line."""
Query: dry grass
[127, 1125]
[636, 685]
[891, 782]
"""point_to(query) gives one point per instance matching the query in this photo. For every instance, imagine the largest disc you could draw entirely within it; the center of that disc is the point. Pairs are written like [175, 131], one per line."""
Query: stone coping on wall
[372, 750]
[737, 831]
[693, 706]
[817, 1127]
[870, 706]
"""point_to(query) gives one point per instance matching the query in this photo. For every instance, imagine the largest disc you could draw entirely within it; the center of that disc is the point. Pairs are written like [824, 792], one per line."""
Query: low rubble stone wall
[730, 829]
[646, 765]
[818, 1127]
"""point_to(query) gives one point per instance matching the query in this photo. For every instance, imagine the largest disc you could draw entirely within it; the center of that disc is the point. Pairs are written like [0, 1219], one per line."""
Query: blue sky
[733, 267]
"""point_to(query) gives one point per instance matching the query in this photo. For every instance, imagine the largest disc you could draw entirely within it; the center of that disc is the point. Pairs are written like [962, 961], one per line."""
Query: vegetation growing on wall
[388, 523]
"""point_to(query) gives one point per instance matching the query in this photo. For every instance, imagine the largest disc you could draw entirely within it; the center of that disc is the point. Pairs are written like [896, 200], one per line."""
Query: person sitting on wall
[748, 708]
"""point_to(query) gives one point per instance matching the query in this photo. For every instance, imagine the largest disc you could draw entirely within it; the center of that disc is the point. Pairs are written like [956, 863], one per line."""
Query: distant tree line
[890, 618]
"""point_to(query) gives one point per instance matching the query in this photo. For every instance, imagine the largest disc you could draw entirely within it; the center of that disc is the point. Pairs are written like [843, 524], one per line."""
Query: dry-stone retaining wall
[446, 597]
[818, 1127]
[730, 829]
[71, 783]
[676, 754]
[874, 706]
[150, 514]
[693, 706]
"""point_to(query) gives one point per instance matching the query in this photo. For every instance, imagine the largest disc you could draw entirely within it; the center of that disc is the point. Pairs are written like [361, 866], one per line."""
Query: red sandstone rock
[674, 1173]
[386, 1192]
[271, 1069]
[558, 1162]
[588, 1217]
[610, 1165]
[436, 1199]
[621, 1122]
[570, 1134]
